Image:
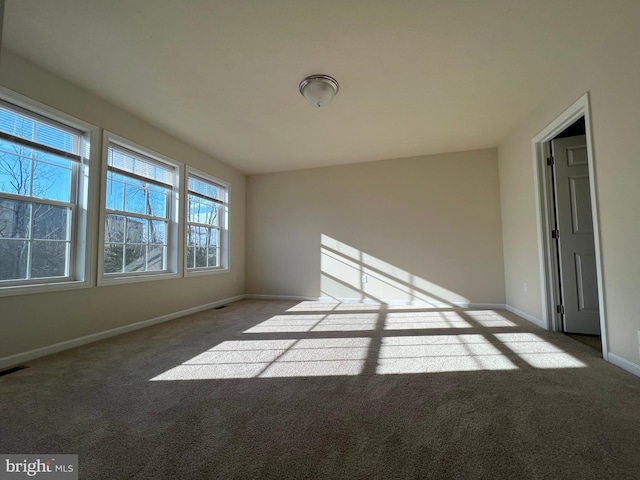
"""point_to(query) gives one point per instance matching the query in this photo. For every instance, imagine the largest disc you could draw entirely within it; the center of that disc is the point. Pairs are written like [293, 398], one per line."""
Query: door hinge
[555, 233]
[550, 161]
[560, 309]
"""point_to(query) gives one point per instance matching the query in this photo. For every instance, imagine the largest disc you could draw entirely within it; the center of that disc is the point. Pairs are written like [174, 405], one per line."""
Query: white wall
[33, 321]
[611, 75]
[421, 229]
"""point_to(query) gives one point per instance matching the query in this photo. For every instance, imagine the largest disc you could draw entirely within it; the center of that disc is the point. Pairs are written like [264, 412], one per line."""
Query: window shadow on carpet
[327, 339]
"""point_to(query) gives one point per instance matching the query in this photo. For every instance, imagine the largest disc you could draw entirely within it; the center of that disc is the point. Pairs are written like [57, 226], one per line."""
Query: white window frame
[174, 259]
[225, 253]
[84, 205]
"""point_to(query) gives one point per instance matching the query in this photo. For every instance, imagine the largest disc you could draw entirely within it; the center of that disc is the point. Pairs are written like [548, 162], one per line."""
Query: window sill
[33, 288]
[208, 271]
[120, 280]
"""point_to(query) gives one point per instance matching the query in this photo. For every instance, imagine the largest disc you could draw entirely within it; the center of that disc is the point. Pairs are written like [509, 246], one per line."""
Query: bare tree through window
[35, 201]
[138, 211]
[205, 208]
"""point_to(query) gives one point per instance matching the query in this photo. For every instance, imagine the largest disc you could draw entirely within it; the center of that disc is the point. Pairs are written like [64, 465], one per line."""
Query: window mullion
[206, 225]
[39, 147]
[205, 197]
[72, 235]
[32, 170]
[143, 216]
[124, 262]
[42, 201]
[30, 239]
[124, 195]
[75, 183]
[140, 178]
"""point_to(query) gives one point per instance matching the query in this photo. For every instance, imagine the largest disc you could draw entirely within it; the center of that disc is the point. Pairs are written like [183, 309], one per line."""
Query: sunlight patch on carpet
[537, 352]
[424, 320]
[343, 322]
[313, 306]
[387, 340]
[275, 358]
[442, 353]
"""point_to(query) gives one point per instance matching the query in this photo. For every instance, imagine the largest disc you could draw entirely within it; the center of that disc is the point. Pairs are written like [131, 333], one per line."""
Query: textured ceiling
[416, 76]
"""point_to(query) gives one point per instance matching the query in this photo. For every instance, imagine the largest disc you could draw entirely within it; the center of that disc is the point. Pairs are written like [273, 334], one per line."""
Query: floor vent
[11, 370]
[221, 306]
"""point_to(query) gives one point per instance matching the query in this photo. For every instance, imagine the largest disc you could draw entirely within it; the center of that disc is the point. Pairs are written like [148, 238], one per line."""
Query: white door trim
[544, 214]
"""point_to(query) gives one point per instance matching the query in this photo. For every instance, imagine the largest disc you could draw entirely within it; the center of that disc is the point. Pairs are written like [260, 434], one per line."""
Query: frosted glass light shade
[319, 90]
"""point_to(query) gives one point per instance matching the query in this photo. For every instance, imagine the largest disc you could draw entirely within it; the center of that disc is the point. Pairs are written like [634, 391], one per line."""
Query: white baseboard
[18, 358]
[528, 317]
[624, 364]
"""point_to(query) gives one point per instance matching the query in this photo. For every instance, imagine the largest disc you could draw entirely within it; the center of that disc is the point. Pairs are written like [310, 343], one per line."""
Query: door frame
[545, 213]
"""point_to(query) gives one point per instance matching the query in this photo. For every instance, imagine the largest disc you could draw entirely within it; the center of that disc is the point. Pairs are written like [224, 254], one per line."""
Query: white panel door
[577, 258]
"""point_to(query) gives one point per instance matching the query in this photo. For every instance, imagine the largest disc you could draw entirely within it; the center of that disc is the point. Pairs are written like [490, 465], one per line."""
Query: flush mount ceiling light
[319, 90]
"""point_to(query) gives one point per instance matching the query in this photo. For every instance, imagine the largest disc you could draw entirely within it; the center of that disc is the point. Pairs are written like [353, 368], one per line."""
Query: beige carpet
[272, 389]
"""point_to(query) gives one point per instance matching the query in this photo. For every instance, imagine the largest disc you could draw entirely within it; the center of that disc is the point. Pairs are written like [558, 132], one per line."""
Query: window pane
[113, 258]
[201, 257]
[214, 237]
[48, 259]
[157, 205]
[157, 232]
[196, 210]
[136, 230]
[51, 182]
[15, 172]
[212, 257]
[50, 223]
[155, 260]
[193, 205]
[14, 219]
[8, 147]
[52, 159]
[115, 193]
[114, 228]
[134, 197]
[197, 236]
[202, 211]
[13, 259]
[191, 257]
[134, 258]
[214, 218]
[116, 177]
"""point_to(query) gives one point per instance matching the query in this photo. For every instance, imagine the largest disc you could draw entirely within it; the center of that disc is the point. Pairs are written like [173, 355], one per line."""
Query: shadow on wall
[351, 275]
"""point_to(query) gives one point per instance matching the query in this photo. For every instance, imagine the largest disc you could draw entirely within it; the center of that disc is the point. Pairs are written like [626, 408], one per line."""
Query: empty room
[302, 239]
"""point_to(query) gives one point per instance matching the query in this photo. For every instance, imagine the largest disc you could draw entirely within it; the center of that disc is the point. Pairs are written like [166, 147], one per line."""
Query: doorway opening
[570, 260]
